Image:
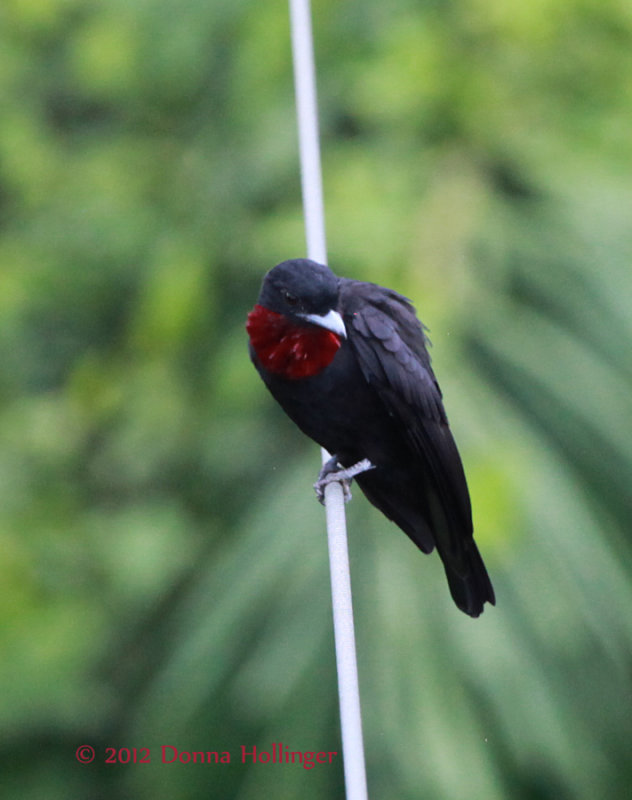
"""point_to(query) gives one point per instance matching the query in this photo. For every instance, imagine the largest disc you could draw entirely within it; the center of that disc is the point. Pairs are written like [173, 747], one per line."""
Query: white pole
[311, 181]
[307, 117]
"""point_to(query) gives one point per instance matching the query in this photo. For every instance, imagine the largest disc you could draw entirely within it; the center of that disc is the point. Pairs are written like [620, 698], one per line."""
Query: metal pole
[311, 181]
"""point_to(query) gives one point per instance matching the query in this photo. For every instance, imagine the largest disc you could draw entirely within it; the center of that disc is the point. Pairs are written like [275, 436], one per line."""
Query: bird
[348, 362]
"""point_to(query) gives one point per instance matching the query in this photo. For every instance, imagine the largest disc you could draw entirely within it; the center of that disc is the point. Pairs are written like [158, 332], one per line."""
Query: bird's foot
[333, 472]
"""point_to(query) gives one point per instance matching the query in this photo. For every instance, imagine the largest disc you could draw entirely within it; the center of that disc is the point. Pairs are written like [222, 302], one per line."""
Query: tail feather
[424, 519]
[470, 587]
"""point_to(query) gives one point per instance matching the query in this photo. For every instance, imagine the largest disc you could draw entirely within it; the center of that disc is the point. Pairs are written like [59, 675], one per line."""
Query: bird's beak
[332, 321]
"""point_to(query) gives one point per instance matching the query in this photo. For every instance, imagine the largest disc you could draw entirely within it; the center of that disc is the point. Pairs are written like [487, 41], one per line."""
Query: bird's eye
[289, 298]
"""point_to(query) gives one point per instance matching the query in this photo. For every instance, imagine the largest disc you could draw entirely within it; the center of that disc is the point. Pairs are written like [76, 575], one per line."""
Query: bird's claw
[333, 472]
[333, 477]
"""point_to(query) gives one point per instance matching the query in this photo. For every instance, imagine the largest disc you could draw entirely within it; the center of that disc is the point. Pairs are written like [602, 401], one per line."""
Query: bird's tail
[470, 586]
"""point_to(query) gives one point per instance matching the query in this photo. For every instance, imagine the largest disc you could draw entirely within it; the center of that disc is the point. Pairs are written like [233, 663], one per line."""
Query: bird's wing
[391, 348]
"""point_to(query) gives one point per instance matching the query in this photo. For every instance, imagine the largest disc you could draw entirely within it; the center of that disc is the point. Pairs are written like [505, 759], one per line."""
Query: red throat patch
[289, 350]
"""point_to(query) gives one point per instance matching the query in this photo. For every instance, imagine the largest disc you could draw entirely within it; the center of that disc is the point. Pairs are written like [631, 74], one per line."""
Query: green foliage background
[164, 570]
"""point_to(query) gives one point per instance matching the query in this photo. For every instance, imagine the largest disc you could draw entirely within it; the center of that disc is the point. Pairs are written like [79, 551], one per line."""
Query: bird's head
[295, 328]
[305, 293]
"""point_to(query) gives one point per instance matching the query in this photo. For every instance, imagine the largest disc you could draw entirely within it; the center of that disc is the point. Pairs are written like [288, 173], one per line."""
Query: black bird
[348, 363]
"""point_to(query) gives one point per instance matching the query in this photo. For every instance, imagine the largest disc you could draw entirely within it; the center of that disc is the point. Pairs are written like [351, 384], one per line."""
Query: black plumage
[367, 390]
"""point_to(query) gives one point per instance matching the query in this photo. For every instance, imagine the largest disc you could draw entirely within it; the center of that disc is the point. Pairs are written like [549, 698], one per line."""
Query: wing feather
[391, 348]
